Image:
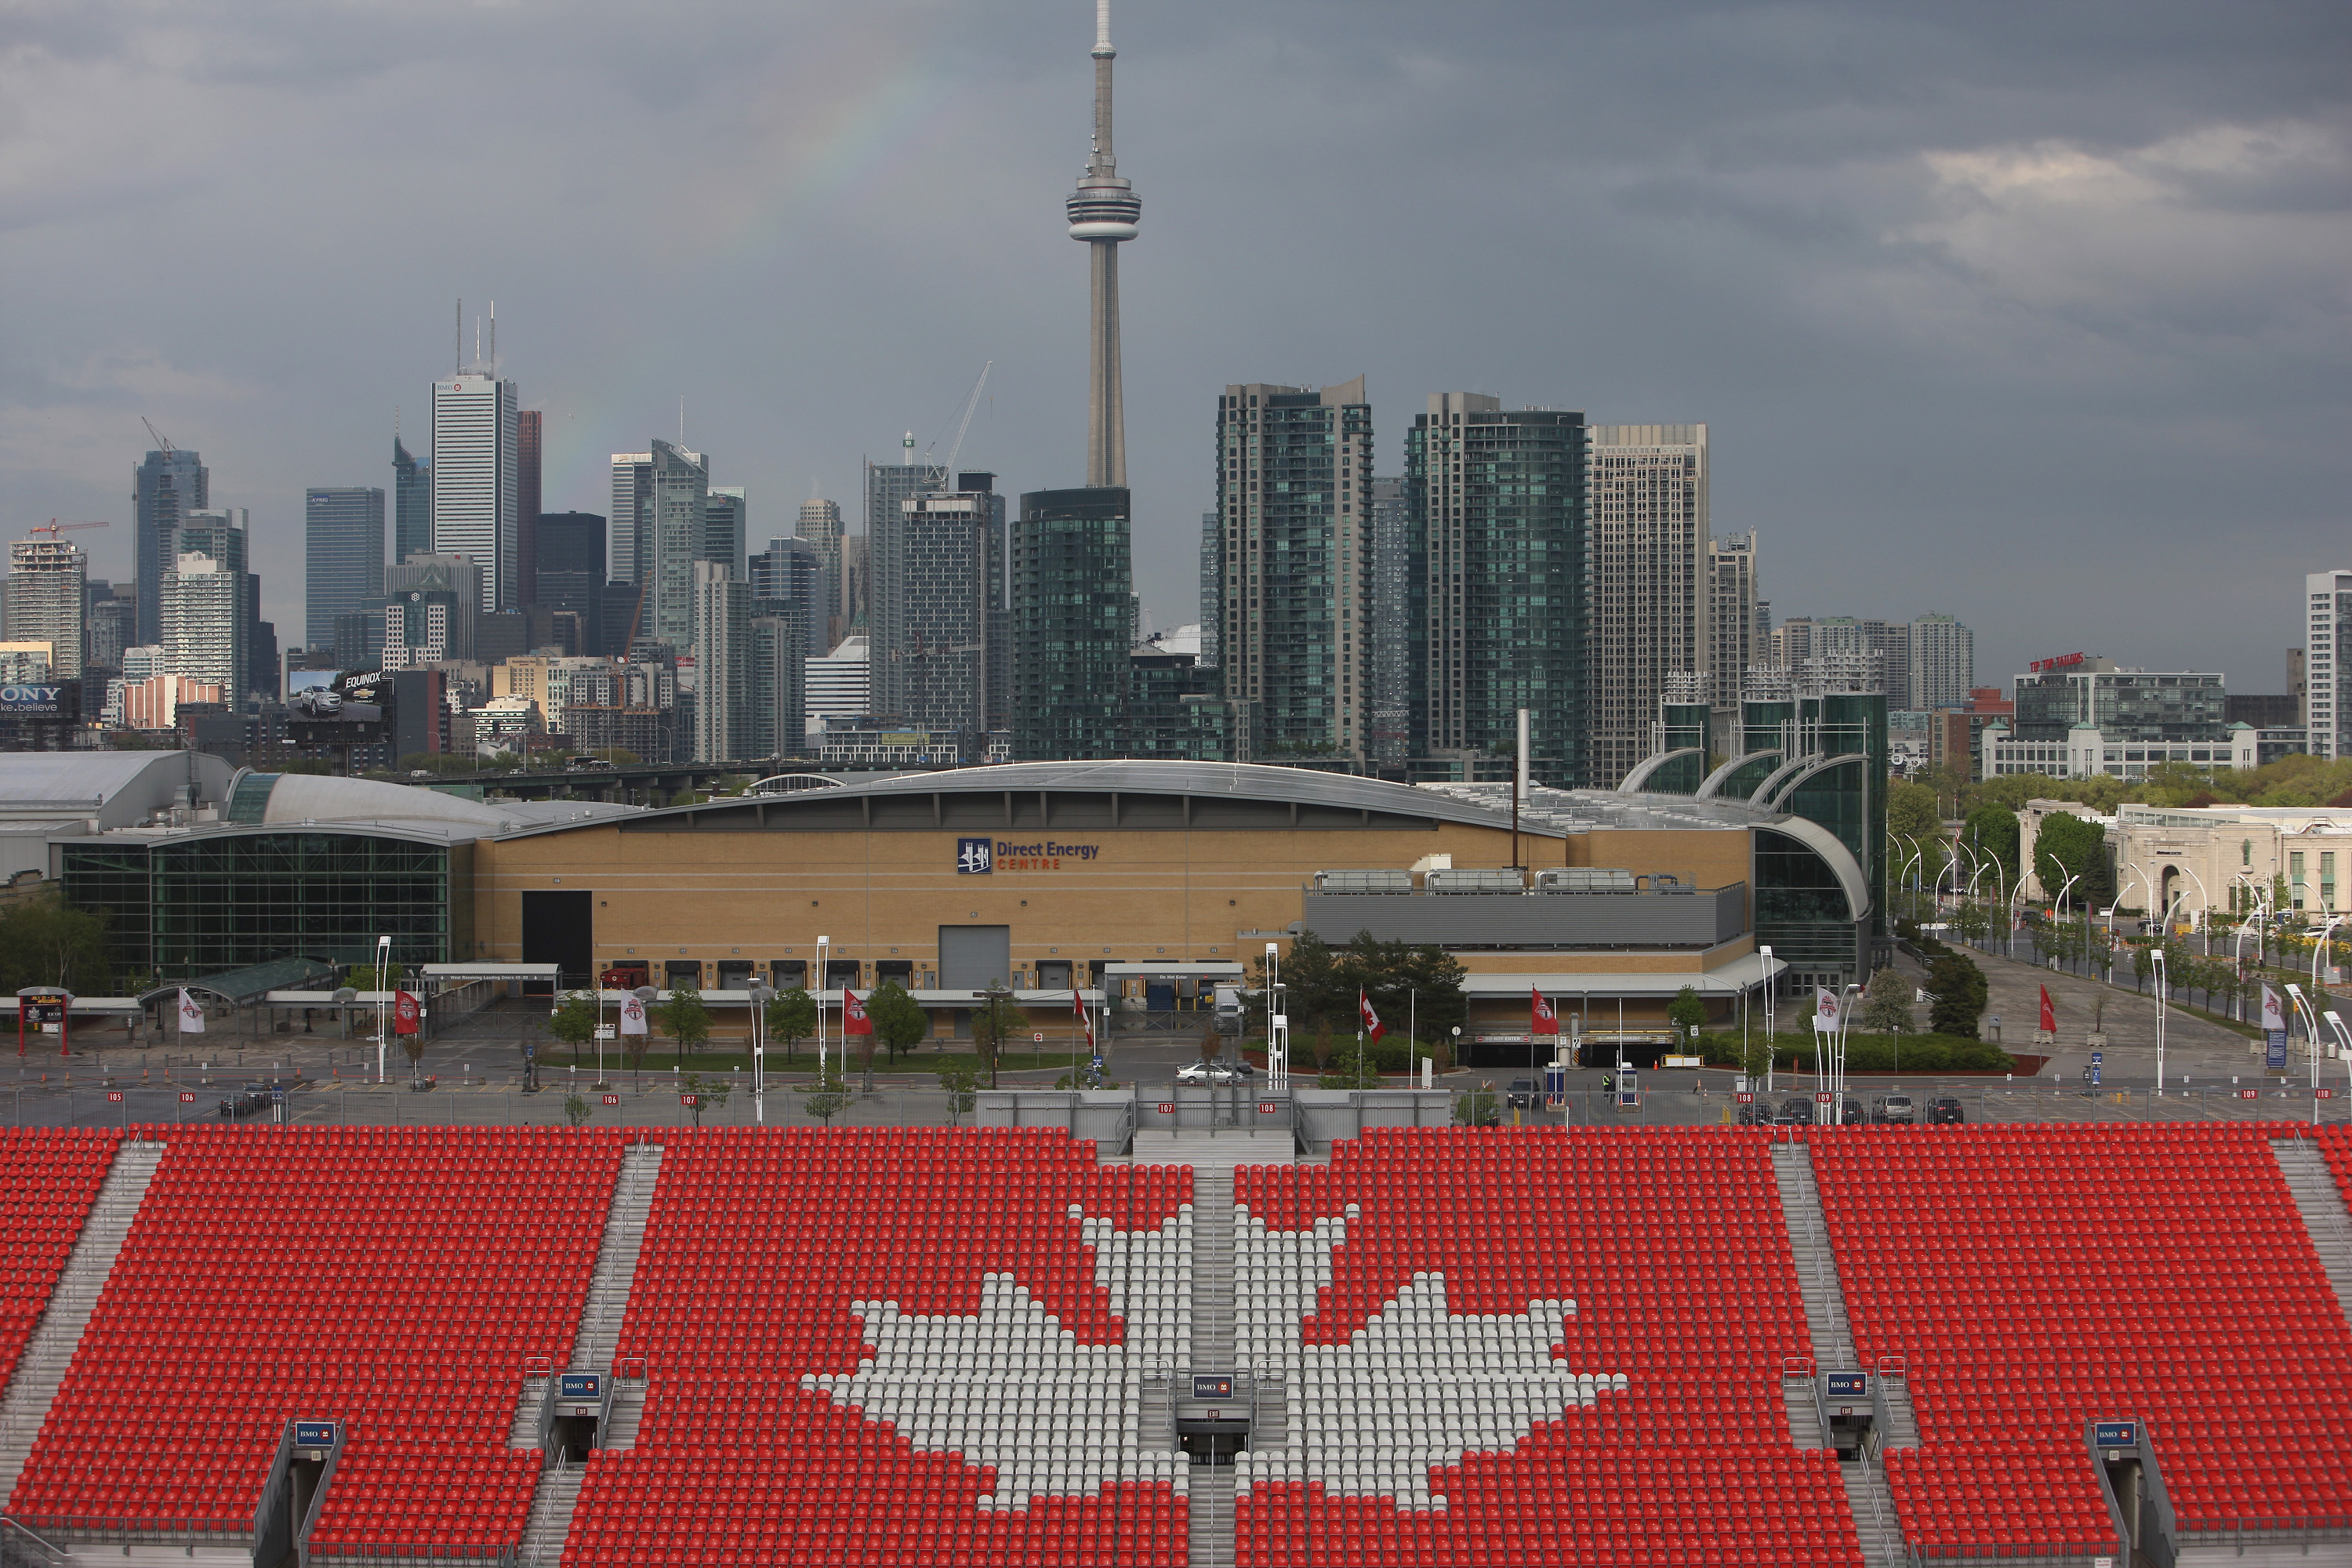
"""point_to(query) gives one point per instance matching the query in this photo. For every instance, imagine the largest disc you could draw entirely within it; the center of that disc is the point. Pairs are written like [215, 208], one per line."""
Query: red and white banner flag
[854, 1020]
[192, 1016]
[404, 1013]
[1547, 1016]
[1086, 1019]
[1364, 1011]
[1828, 1013]
[2049, 1013]
[632, 1015]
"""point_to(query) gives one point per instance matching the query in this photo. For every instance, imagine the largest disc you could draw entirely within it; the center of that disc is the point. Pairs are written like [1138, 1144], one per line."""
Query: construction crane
[964, 424]
[53, 528]
[161, 439]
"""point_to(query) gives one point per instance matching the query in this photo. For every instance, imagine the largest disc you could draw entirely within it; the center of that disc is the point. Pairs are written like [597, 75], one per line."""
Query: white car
[1215, 1072]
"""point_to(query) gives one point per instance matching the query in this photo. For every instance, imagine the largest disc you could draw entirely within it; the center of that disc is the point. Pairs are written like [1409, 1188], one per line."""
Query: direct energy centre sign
[981, 857]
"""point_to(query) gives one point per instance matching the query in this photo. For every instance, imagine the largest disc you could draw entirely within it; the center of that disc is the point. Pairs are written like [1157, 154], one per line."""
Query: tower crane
[53, 528]
[161, 439]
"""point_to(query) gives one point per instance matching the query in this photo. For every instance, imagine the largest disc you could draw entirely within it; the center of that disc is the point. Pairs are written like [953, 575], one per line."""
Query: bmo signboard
[40, 699]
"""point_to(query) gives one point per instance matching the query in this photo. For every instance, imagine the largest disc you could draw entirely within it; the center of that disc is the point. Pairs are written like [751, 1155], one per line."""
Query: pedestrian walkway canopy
[241, 988]
[461, 973]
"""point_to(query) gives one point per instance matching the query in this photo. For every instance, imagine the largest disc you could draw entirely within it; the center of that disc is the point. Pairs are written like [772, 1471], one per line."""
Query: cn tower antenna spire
[1103, 212]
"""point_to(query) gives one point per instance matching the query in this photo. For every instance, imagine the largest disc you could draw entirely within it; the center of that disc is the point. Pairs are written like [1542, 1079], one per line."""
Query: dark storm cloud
[2035, 314]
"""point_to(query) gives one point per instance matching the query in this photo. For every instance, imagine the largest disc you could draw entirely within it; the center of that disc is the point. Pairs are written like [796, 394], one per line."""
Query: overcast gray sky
[2032, 313]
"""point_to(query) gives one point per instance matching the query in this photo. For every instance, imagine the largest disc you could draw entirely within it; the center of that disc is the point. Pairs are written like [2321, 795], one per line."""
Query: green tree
[1989, 839]
[961, 1081]
[898, 1020]
[43, 941]
[1353, 1065]
[826, 1097]
[576, 1109]
[709, 1090]
[1686, 1012]
[1478, 1108]
[2071, 846]
[1886, 1003]
[1956, 994]
[792, 1018]
[1915, 832]
[575, 1020]
[997, 1019]
[685, 1018]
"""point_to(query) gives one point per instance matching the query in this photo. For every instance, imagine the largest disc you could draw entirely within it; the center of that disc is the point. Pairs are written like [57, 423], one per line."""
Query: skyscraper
[1943, 663]
[1496, 606]
[661, 501]
[527, 451]
[820, 524]
[571, 569]
[726, 528]
[476, 478]
[1294, 486]
[788, 578]
[166, 487]
[1647, 493]
[342, 538]
[1732, 639]
[1392, 625]
[1103, 212]
[2327, 632]
[1212, 587]
[1073, 564]
[776, 688]
[938, 571]
[412, 505]
[208, 603]
[1071, 611]
[47, 600]
[722, 663]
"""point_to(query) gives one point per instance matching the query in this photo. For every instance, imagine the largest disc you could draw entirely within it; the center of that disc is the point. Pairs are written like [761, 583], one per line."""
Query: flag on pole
[633, 1014]
[192, 1016]
[854, 1020]
[1371, 1020]
[1547, 1018]
[1086, 1019]
[1828, 1012]
[404, 1013]
[2049, 1013]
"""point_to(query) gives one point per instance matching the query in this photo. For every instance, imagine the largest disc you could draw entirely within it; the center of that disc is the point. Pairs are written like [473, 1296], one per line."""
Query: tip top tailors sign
[979, 857]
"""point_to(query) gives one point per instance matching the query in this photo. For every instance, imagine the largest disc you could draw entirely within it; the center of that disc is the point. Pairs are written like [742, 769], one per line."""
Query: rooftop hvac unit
[1363, 881]
[1474, 882]
[1584, 879]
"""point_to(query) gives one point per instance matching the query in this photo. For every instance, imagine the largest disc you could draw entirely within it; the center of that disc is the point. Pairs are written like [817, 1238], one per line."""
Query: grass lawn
[924, 1062]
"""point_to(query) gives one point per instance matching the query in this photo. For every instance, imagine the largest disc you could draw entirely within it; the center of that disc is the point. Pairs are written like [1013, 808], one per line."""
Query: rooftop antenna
[478, 343]
[458, 340]
[681, 420]
[494, 339]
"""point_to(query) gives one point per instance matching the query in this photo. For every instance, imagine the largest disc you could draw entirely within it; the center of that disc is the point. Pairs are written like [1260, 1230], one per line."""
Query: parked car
[1795, 1112]
[252, 1099]
[1946, 1111]
[1219, 1072]
[1522, 1094]
[1892, 1111]
[1755, 1113]
[1850, 1114]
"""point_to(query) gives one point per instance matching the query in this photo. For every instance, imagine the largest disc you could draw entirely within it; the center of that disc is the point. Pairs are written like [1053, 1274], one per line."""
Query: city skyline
[2039, 243]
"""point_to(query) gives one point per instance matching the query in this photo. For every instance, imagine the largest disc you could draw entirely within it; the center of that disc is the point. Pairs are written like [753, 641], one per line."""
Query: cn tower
[1103, 211]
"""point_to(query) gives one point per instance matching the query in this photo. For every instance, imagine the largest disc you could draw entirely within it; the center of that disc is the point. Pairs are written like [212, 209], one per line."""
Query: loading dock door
[559, 928]
[972, 956]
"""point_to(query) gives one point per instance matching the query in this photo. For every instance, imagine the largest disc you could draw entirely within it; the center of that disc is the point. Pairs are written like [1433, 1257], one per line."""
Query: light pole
[2204, 911]
[1277, 1052]
[2311, 1038]
[2343, 1040]
[383, 965]
[1846, 999]
[2162, 985]
[1771, 987]
[2319, 949]
[823, 984]
[761, 993]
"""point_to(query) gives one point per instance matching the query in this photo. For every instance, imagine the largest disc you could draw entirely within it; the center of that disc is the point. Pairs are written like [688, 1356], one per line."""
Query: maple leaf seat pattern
[1528, 1346]
[901, 1346]
[2031, 1278]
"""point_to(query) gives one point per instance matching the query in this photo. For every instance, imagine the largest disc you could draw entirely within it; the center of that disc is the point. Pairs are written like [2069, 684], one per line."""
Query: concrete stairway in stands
[552, 1507]
[1210, 1506]
[1211, 1518]
[42, 1367]
[2321, 1201]
[1873, 1507]
[608, 1286]
[1809, 1246]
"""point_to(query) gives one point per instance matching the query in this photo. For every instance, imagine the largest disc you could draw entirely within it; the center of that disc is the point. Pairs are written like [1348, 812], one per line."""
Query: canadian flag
[632, 1015]
[1547, 1018]
[404, 1013]
[1086, 1019]
[1364, 1011]
[192, 1016]
[2049, 1013]
[854, 1020]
